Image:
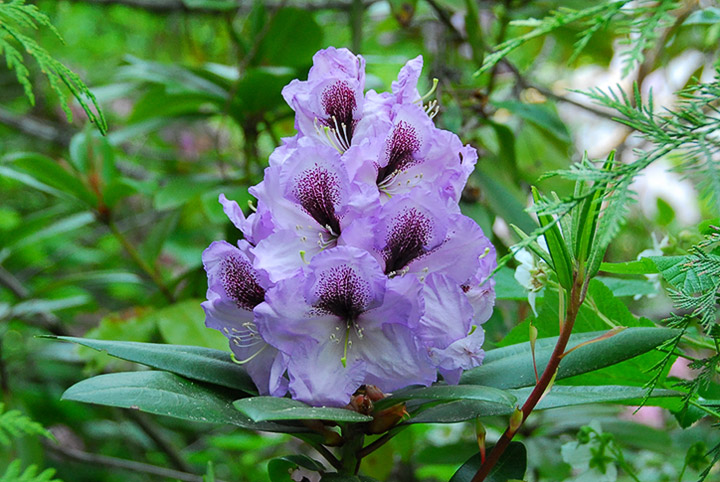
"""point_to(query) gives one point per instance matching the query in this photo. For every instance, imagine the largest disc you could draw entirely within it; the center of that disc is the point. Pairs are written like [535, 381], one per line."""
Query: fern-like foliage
[14, 423]
[640, 21]
[15, 473]
[15, 18]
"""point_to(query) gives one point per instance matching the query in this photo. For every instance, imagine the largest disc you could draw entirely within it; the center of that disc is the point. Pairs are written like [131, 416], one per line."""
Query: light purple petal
[405, 88]
[463, 354]
[448, 314]
[318, 377]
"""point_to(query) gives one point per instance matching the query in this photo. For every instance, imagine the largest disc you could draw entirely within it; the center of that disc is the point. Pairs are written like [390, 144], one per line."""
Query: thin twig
[577, 296]
[123, 464]
[147, 426]
[36, 127]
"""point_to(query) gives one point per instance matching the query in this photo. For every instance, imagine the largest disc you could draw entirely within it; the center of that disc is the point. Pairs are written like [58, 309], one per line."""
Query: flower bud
[516, 420]
[385, 419]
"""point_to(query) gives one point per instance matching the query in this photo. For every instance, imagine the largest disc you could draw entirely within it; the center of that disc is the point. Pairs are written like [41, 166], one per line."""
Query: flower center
[339, 104]
[341, 292]
[317, 191]
[241, 284]
[407, 240]
[401, 146]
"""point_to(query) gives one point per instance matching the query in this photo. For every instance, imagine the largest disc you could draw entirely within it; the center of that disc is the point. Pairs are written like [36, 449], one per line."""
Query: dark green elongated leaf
[279, 469]
[49, 172]
[511, 465]
[194, 362]
[35, 306]
[163, 393]
[641, 266]
[559, 396]
[283, 31]
[29, 180]
[627, 287]
[561, 257]
[447, 393]
[512, 367]
[34, 232]
[260, 409]
[565, 396]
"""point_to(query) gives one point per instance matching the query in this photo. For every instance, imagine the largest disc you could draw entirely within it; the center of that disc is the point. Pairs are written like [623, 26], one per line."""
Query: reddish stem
[577, 295]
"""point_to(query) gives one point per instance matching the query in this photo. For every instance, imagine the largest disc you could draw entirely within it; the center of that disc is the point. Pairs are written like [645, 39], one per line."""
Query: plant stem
[135, 255]
[577, 295]
[353, 441]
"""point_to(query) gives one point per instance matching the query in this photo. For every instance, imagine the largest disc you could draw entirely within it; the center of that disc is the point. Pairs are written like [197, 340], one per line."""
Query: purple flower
[412, 153]
[342, 323]
[235, 288]
[329, 104]
[357, 266]
[309, 201]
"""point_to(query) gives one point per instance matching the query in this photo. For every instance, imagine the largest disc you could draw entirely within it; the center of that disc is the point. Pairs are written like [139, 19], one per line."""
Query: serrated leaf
[261, 409]
[194, 362]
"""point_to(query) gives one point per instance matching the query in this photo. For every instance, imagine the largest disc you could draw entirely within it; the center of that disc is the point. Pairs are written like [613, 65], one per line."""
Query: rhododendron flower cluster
[357, 267]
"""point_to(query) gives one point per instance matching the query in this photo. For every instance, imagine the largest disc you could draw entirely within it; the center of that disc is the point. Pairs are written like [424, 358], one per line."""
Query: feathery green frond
[16, 16]
[14, 473]
[14, 424]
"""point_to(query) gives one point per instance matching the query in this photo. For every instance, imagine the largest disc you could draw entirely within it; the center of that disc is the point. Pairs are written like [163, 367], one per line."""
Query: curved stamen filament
[250, 358]
[343, 360]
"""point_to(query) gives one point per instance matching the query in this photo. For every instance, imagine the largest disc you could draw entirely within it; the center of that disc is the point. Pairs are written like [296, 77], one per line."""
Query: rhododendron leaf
[194, 362]
[260, 409]
[512, 366]
[450, 392]
[164, 393]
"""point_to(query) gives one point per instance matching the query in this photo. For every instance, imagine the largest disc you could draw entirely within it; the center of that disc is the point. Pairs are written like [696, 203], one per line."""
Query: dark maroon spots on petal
[338, 101]
[240, 282]
[343, 293]
[318, 192]
[407, 239]
[401, 146]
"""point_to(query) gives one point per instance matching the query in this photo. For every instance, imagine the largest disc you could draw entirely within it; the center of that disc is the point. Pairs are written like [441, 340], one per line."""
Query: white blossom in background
[532, 272]
[656, 250]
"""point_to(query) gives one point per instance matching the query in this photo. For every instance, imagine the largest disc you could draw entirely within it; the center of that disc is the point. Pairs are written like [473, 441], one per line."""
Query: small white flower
[531, 273]
[656, 250]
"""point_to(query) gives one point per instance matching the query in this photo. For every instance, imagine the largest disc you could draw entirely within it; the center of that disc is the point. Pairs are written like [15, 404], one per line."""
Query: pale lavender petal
[318, 377]
[463, 354]
[448, 314]
[405, 88]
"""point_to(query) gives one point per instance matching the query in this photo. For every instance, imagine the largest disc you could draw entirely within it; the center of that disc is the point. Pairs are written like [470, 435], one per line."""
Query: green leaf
[279, 469]
[511, 465]
[559, 396]
[506, 287]
[260, 409]
[512, 367]
[183, 324]
[621, 287]
[152, 246]
[565, 396]
[163, 393]
[291, 27]
[179, 191]
[194, 362]
[447, 393]
[541, 115]
[676, 272]
[561, 257]
[49, 172]
[503, 201]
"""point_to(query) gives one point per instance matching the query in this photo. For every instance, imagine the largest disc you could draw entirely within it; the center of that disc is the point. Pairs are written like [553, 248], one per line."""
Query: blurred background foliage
[101, 236]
